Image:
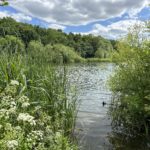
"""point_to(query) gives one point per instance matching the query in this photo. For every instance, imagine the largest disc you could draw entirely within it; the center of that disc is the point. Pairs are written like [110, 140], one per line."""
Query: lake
[93, 125]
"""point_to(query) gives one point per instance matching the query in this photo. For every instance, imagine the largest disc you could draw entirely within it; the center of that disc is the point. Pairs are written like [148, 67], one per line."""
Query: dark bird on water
[104, 103]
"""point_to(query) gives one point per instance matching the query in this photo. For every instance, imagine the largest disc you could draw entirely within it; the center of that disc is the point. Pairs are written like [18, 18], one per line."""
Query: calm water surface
[93, 124]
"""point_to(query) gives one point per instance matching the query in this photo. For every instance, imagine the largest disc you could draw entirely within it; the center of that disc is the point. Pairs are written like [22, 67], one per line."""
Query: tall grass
[45, 86]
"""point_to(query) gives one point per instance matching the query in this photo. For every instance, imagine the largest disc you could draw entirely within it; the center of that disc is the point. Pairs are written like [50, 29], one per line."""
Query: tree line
[87, 46]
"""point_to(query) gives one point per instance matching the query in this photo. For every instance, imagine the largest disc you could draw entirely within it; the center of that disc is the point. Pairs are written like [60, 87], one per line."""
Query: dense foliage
[86, 46]
[35, 112]
[11, 45]
[131, 84]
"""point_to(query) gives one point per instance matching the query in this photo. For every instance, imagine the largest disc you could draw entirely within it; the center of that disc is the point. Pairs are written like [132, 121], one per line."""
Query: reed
[46, 87]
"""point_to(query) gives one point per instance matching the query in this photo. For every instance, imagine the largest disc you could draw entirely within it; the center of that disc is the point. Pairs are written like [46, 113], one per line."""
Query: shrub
[11, 45]
[36, 51]
[58, 53]
[102, 53]
[67, 54]
[131, 86]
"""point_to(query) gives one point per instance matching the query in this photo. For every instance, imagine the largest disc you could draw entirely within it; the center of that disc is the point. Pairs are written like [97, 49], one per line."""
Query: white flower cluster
[14, 82]
[7, 101]
[11, 89]
[25, 117]
[24, 100]
[12, 145]
[25, 105]
[15, 118]
[4, 113]
[38, 134]
[8, 127]
[38, 108]
[18, 128]
[8, 106]
[35, 135]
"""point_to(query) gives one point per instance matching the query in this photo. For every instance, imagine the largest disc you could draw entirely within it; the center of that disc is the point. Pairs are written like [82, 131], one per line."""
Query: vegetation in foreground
[35, 112]
[131, 85]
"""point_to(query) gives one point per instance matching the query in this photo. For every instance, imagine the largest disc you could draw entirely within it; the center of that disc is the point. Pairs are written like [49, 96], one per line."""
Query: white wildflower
[29, 139]
[12, 110]
[26, 118]
[23, 99]
[35, 135]
[12, 104]
[18, 128]
[7, 98]
[8, 127]
[38, 134]
[25, 105]
[10, 90]
[7, 101]
[14, 82]
[12, 145]
[3, 113]
[38, 107]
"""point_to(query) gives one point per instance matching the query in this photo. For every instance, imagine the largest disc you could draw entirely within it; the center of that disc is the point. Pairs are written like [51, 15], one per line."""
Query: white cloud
[17, 16]
[114, 30]
[77, 12]
[57, 26]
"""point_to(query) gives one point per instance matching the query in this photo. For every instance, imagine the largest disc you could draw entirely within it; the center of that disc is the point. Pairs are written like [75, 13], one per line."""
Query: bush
[11, 45]
[36, 51]
[67, 54]
[131, 86]
[58, 53]
[102, 53]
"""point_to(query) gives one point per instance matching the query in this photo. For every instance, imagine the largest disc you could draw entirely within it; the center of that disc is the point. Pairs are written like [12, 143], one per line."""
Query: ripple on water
[93, 124]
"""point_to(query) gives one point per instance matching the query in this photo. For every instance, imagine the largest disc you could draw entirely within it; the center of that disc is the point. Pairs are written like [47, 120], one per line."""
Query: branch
[3, 3]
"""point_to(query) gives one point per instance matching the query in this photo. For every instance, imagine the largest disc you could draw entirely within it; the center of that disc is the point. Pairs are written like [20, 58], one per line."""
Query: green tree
[8, 26]
[27, 34]
[84, 45]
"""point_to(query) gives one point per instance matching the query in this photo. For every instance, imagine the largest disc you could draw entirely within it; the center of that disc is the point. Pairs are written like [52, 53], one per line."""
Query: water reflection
[121, 141]
[93, 123]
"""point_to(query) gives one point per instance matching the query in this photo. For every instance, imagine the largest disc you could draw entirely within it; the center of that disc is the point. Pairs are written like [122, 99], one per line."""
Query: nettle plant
[24, 126]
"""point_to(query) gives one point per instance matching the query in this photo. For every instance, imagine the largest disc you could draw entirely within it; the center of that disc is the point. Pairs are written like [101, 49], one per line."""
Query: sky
[108, 18]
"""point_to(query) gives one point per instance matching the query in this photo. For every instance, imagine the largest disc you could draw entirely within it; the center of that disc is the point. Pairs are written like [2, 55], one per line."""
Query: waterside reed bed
[35, 112]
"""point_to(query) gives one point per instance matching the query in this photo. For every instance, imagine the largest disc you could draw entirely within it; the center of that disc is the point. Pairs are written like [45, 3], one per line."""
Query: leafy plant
[131, 86]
